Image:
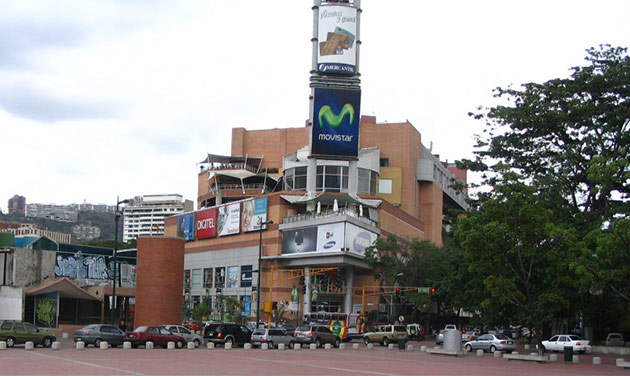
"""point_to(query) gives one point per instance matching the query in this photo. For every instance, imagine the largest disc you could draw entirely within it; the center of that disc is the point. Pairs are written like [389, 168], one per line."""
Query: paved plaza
[239, 361]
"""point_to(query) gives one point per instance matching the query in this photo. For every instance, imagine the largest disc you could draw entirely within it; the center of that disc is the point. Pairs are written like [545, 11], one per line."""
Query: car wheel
[179, 344]
[291, 345]
[366, 340]
[134, 345]
[10, 342]
[385, 341]
[97, 342]
[270, 344]
[337, 342]
[47, 342]
[197, 342]
[318, 343]
[493, 348]
[468, 348]
[230, 340]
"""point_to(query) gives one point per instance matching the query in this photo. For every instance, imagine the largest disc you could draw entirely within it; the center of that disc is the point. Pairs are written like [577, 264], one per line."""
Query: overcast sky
[105, 98]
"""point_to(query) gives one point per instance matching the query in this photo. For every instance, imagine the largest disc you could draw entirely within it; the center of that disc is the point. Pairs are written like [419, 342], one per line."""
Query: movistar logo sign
[335, 120]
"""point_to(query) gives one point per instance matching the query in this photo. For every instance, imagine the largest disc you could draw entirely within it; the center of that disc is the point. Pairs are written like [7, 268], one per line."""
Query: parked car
[468, 335]
[557, 343]
[386, 334]
[235, 334]
[316, 334]
[439, 338]
[195, 326]
[415, 331]
[492, 343]
[273, 337]
[190, 336]
[158, 335]
[615, 339]
[14, 332]
[94, 334]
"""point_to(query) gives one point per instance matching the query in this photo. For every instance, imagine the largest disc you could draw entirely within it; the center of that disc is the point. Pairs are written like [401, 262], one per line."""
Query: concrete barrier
[126, 345]
[191, 345]
[597, 360]
[553, 357]
[423, 348]
[618, 361]
[327, 346]
[441, 351]
[56, 345]
[297, 347]
[29, 345]
[410, 347]
[149, 345]
[65, 335]
[370, 346]
[530, 358]
[264, 346]
[210, 345]
[355, 346]
[3, 345]
[498, 354]
[80, 345]
[227, 346]
[514, 352]
[313, 346]
[526, 346]
[480, 352]
[104, 345]
[342, 346]
[281, 346]
[247, 346]
[391, 346]
[576, 359]
[170, 345]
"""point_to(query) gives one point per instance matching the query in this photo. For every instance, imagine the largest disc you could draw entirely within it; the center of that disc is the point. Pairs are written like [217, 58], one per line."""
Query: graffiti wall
[80, 266]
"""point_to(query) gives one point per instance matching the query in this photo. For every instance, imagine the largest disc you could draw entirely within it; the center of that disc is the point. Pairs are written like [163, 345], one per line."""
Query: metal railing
[328, 214]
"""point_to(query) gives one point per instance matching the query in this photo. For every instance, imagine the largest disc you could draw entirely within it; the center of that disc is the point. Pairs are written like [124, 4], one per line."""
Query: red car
[159, 336]
[195, 326]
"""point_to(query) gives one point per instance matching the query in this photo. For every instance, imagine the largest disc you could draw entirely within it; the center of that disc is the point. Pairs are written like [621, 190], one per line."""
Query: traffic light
[397, 291]
[338, 280]
[303, 289]
[301, 280]
[432, 290]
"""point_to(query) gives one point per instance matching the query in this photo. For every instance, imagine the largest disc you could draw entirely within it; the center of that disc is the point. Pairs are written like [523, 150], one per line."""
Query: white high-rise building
[144, 215]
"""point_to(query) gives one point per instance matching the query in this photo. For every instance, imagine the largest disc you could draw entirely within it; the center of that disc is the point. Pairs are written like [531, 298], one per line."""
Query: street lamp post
[117, 215]
[260, 230]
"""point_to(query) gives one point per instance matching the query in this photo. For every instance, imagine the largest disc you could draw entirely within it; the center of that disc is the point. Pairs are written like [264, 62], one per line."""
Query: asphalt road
[377, 361]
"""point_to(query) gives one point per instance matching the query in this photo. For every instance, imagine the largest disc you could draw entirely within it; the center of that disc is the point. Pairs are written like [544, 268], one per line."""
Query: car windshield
[140, 329]
[576, 338]
[502, 336]
[399, 329]
[303, 328]
[259, 332]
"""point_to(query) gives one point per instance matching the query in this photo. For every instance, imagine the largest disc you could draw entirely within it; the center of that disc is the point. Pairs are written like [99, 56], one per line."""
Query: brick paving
[238, 361]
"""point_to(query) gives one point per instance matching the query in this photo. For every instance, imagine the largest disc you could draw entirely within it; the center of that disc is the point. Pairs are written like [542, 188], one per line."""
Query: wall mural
[83, 267]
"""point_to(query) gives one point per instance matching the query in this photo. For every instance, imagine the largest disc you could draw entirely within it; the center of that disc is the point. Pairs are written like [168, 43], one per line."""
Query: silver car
[94, 334]
[492, 343]
[273, 337]
[182, 331]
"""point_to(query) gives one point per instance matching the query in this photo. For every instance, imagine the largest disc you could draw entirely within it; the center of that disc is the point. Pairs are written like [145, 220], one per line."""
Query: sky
[102, 99]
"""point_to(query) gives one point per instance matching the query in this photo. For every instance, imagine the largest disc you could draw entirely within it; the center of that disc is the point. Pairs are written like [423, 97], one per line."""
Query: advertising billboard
[330, 237]
[232, 276]
[253, 213]
[228, 219]
[358, 239]
[337, 30]
[335, 130]
[186, 226]
[206, 223]
[299, 240]
[246, 276]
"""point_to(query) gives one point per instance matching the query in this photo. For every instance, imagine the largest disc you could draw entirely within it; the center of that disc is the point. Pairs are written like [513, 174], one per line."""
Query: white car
[182, 331]
[615, 339]
[558, 343]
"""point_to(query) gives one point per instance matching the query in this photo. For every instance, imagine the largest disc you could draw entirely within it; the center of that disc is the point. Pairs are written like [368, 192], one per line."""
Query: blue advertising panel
[336, 122]
[186, 226]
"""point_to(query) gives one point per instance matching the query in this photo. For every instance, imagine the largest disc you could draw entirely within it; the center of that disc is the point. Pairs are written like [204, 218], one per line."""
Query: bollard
[423, 348]
[80, 345]
[342, 346]
[65, 335]
[498, 354]
[126, 345]
[409, 347]
[597, 360]
[148, 345]
[370, 346]
[210, 345]
[327, 346]
[56, 345]
[618, 362]
[391, 346]
[170, 345]
[3, 345]
[227, 346]
[553, 357]
[281, 346]
[104, 345]
[313, 346]
[29, 345]
[247, 346]
[355, 346]
[191, 345]
[526, 347]
[264, 346]
[297, 346]
[576, 359]
[480, 352]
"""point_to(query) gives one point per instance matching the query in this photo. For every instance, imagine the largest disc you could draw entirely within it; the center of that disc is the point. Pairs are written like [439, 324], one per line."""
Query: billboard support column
[307, 296]
[311, 182]
[353, 177]
[349, 289]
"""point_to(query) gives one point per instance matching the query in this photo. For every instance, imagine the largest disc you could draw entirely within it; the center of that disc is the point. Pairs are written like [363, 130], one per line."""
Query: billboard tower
[335, 100]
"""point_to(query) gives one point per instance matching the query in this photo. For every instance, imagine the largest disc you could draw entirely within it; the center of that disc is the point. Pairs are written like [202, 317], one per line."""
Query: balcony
[329, 216]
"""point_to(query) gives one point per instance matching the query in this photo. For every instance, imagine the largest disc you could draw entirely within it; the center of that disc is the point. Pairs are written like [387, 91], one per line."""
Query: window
[186, 280]
[385, 186]
[207, 278]
[196, 279]
[384, 162]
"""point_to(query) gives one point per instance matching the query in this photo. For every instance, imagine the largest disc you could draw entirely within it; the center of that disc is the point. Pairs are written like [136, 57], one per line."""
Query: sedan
[492, 343]
[186, 333]
[273, 337]
[558, 343]
[159, 336]
[94, 334]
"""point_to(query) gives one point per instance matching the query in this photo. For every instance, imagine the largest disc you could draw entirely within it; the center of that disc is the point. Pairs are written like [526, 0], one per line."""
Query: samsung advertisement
[333, 237]
[335, 130]
[337, 30]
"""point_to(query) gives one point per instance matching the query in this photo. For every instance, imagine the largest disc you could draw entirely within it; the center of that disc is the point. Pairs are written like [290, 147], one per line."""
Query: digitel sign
[206, 223]
[336, 123]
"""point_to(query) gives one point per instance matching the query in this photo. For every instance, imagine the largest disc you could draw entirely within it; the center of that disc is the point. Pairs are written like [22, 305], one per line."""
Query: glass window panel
[385, 186]
[207, 278]
[300, 171]
[196, 279]
[300, 183]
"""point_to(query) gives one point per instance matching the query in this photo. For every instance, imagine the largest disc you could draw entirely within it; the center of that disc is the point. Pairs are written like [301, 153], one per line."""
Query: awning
[214, 158]
[64, 286]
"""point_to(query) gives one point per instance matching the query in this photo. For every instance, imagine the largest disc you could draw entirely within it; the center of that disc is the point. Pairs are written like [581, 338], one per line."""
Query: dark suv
[235, 334]
[316, 334]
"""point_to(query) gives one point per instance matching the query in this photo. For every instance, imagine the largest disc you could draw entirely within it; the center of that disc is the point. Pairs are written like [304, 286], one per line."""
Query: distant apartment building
[32, 231]
[86, 232]
[98, 208]
[64, 213]
[17, 205]
[144, 215]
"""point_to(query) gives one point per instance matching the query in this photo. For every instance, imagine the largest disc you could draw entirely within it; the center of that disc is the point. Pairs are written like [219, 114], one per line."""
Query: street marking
[89, 364]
